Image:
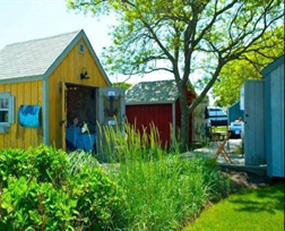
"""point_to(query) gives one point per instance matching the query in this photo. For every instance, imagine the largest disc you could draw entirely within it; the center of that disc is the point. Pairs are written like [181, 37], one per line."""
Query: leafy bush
[144, 187]
[35, 206]
[38, 192]
[44, 163]
[99, 199]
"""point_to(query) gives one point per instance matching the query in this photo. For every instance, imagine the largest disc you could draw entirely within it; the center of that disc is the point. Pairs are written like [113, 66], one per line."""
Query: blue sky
[22, 20]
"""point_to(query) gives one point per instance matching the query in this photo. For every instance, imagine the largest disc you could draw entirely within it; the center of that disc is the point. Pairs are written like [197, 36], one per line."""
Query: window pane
[4, 103]
[3, 116]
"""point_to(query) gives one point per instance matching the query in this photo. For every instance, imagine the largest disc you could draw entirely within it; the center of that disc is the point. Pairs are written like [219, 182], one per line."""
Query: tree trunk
[184, 116]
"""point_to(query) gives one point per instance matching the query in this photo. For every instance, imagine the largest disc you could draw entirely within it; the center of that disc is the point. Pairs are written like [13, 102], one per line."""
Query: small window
[6, 111]
[81, 48]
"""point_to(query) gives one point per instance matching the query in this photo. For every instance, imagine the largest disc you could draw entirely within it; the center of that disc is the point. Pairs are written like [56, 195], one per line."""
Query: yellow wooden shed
[53, 80]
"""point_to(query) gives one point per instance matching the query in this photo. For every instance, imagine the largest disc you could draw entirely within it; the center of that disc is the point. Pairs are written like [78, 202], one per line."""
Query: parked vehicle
[236, 129]
[216, 116]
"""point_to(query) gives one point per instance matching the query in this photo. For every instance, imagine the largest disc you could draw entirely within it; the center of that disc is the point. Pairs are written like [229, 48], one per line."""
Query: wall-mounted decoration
[29, 116]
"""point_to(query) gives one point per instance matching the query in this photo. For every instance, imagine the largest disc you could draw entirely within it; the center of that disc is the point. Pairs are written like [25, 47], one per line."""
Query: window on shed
[6, 111]
[81, 48]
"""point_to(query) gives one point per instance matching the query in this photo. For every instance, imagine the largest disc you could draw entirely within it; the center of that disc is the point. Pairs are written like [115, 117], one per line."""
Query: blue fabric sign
[29, 116]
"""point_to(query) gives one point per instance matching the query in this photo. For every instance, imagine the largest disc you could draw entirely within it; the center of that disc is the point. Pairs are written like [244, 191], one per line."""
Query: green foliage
[161, 189]
[183, 37]
[234, 74]
[28, 205]
[124, 85]
[44, 163]
[78, 159]
[42, 190]
[143, 187]
[99, 199]
[161, 194]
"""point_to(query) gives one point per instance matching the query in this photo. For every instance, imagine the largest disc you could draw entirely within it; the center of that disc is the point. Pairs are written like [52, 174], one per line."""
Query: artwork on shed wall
[111, 108]
[29, 116]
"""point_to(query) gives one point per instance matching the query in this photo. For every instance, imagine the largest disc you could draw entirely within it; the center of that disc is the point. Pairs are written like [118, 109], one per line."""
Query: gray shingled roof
[32, 58]
[152, 92]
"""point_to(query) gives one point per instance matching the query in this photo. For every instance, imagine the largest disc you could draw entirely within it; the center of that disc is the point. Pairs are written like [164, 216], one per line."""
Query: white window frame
[4, 126]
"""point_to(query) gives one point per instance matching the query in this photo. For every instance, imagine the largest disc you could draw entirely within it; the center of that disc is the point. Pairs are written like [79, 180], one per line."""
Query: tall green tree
[181, 36]
[248, 66]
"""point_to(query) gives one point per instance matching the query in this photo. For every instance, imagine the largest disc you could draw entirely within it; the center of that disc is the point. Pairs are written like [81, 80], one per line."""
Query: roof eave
[270, 67]
[150, 102]
[21, 79]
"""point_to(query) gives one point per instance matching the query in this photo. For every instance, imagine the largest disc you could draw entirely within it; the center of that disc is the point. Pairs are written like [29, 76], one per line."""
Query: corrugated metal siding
[159, 114]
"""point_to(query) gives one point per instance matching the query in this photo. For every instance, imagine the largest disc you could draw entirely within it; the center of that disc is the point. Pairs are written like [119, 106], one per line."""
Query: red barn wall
[159, 114]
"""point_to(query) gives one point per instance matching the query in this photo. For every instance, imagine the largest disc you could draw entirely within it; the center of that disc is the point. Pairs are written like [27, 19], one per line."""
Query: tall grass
[161, 189]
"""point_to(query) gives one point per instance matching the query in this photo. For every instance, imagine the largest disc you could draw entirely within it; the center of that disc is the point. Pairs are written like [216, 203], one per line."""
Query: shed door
[110, 109]
[254, 123]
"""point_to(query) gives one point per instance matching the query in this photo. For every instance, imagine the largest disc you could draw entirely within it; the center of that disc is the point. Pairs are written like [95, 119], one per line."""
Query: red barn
[158, 103]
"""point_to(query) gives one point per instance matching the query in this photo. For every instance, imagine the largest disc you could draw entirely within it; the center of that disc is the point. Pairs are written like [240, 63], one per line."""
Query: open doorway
[81, 118]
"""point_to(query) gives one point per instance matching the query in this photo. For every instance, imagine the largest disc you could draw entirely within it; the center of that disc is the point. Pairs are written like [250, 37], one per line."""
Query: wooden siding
[69, 70]
[254, 122]
[28, 93]
[274, 121]
[234, 112]
[159, 114]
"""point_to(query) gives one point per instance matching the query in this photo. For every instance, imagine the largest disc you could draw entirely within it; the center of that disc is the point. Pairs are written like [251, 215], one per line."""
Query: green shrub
[28, 205]
[13, 162]
[39, 192]
[99, 199]
[144, 187]
[44, 163]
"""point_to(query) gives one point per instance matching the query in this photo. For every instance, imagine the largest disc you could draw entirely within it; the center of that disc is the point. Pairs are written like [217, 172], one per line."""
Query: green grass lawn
[254, 209]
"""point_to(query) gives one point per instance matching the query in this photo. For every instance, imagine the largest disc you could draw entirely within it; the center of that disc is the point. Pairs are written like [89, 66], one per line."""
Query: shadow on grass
[267, 199]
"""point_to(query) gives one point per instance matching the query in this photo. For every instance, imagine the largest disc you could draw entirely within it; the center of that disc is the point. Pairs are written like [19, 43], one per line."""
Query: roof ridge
[44, 38]
[165, 80]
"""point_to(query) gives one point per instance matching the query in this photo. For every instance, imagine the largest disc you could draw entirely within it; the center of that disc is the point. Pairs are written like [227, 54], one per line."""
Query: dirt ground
[245, 180]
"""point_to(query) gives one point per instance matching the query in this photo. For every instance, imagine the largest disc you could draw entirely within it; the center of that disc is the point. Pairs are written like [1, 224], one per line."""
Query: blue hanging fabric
[29, 116]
